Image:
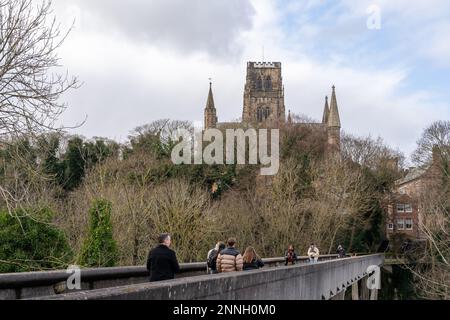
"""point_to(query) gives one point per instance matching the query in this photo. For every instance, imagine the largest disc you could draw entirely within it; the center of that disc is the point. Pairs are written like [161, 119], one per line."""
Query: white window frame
[412, 224]
[410, 208]
[400, 221]
[390, 226]
[400, 207]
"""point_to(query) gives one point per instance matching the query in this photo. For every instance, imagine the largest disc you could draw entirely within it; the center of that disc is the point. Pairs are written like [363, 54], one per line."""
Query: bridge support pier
[365, 292]
[355, 291]
[374, 294]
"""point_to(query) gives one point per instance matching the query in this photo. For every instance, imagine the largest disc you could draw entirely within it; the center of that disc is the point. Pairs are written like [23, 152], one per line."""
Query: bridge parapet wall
[323, 280]
[47, 283]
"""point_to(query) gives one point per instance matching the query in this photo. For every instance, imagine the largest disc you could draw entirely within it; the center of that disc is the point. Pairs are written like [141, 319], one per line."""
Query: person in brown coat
[229, 259]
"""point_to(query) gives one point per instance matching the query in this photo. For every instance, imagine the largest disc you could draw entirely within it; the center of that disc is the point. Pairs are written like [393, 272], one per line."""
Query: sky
[144, 60]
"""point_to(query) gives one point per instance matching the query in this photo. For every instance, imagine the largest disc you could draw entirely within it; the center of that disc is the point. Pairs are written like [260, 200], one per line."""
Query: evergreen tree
[74, 164]
[100, 249]
[31, 243]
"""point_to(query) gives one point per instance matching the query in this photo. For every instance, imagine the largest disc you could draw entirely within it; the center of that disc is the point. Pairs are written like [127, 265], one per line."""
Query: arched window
[267, 113]
[259, 84]
[268, 83]
[260, 114]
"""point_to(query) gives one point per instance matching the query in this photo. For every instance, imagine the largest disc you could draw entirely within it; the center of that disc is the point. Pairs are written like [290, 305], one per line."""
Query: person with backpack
[211, 260]
[230, 260]
[251, 260]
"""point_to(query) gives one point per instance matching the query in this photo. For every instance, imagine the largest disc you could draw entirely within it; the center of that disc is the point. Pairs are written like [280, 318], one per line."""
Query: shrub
[99, 249]
[31, 243]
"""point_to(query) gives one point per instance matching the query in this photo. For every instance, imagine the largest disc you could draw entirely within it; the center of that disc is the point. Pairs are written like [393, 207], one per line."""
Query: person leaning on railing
[290, 257]
[313, 253]
[251, 260]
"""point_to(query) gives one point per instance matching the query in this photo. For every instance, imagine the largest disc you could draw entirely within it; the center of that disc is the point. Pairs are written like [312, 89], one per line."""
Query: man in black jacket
[162, 262]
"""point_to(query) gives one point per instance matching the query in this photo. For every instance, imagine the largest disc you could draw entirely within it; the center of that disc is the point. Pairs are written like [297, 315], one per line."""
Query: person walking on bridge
[162, 262]
[313, 253]
[230, 260]
[211, 260]
[251, 260]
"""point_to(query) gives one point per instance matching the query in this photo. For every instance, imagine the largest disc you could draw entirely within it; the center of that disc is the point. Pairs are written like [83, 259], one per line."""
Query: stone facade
[264, 94]
[264, 105]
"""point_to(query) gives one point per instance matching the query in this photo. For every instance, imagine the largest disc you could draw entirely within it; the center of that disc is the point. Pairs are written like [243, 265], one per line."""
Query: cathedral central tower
[264, 94]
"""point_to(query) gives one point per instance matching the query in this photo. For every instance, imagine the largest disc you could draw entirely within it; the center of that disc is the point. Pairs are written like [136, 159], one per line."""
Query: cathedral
[264, 105]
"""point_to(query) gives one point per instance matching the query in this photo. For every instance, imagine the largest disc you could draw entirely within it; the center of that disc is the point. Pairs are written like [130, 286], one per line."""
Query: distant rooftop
[413, 174]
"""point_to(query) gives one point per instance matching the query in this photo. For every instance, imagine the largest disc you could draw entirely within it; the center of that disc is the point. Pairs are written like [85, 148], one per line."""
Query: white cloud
[189, 26]
[129, 82]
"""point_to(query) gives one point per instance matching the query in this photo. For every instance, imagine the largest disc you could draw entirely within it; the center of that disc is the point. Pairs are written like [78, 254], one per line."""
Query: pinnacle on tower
[326, 112]
[289, 118]
[333, 118]
[210, 103]
[210, 110]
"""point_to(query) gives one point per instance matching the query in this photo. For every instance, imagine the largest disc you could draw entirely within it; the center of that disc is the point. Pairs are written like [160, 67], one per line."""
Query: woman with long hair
[251, 260]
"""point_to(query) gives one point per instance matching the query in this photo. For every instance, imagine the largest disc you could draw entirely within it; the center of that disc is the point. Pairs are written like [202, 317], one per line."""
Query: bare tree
[433, 270]
[340, 197]
[433, 151]
[30, 86]
[163, 130]
[369, 152]
[29, 89]
[435, 141]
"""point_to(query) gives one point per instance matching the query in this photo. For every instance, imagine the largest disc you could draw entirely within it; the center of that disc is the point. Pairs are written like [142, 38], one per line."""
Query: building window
[400, 207]
[268, 83]
[259, 114]
[408, 224]
[408, 208]
[390, 226]
[259, 84]
[267, 113]
[400, 224]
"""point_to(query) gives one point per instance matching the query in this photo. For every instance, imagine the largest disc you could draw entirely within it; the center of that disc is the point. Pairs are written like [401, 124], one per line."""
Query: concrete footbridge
[328, 279]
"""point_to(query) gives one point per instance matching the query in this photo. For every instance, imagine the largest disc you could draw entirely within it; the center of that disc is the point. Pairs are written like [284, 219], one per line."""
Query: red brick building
[402, 216]
[403, 209]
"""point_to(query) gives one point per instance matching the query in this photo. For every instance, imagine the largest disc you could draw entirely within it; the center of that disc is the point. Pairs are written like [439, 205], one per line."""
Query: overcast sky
[143, 60]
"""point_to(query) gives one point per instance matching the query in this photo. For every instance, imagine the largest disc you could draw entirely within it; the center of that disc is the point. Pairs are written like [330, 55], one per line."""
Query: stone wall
[323, 280]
